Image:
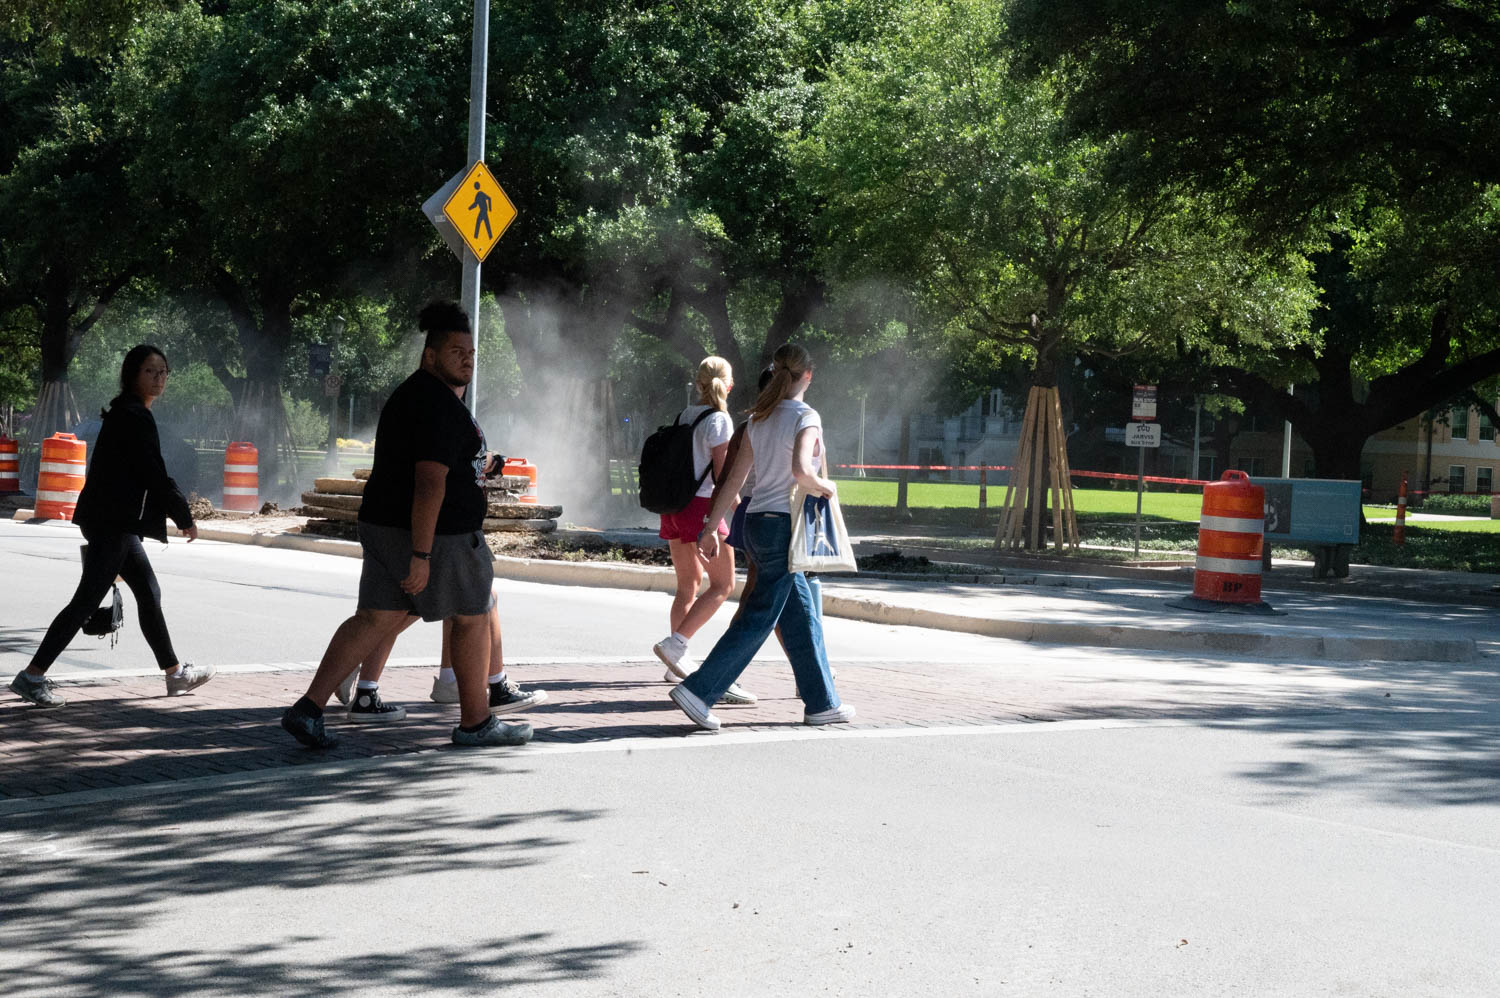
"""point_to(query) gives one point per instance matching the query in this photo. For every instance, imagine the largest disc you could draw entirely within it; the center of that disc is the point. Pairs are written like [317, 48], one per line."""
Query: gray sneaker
[38, 691]
[190, 678]
[307, 729]
[494, 732]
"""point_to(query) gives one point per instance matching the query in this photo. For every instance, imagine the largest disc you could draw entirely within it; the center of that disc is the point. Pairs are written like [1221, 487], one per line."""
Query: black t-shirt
[424, 421]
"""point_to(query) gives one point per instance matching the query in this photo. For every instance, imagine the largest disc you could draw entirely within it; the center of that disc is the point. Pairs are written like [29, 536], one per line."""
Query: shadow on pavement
[86, 888]
[1422, 734]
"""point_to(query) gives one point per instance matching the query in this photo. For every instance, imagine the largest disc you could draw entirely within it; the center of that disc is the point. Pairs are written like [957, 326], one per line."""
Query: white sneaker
[842, 714]
[673, 652]
[737, 694]
[444, 690]
[189, 677]
[346, 688]
[694, 708]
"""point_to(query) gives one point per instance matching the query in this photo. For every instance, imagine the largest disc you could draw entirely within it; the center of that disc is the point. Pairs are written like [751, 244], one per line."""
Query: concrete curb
[604, 575]
[1197, 640]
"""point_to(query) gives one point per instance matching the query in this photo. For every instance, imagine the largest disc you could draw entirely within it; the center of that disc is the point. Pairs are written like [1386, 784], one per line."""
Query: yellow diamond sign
[479, 211]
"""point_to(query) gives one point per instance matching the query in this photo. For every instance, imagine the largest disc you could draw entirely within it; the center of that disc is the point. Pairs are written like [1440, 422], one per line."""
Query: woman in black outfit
[126, 496]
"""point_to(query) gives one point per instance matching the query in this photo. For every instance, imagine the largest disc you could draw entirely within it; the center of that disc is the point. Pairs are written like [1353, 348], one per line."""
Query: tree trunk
[56, 408]
[260, 415]
[903, 458]
[1222, 437]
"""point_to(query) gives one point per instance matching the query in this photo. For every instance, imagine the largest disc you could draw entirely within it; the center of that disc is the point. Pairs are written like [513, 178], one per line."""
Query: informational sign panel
[1143, 403]
[319, 359]
[1143, 434]
[1314, 510]
[479, 211]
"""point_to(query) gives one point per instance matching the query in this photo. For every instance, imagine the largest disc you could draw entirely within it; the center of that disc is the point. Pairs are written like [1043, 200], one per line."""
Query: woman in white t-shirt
[784, 444]
[691, 609]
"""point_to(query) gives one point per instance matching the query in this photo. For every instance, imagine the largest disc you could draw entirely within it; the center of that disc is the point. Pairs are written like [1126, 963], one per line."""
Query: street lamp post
[331, 389]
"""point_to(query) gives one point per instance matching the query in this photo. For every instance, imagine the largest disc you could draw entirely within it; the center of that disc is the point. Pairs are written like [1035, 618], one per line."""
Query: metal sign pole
[478, 79]
[1286, 445]
[1140, 487]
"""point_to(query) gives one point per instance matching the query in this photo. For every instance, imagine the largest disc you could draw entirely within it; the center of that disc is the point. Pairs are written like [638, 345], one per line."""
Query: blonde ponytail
[788, 365]
[712, 383]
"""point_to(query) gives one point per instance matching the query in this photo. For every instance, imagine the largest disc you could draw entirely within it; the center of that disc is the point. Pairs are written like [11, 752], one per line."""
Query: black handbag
[107, 620]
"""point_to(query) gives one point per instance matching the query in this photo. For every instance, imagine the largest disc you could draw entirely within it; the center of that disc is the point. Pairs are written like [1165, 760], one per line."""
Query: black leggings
[109, 555]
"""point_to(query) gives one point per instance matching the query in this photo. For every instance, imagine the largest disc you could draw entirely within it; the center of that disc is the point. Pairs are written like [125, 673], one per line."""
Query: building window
[1458, 423]
[1482, 480]
[1455, 478]
[1486, 427]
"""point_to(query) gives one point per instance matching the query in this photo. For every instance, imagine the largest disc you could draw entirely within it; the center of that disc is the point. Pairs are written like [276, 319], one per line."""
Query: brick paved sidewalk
[126, 732]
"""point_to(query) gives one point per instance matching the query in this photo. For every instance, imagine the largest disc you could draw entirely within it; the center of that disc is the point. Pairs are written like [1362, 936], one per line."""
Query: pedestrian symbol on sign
[479, 211]
[481, 202]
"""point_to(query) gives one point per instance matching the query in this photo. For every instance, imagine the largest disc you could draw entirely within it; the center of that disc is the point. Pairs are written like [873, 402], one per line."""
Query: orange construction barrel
[1230, 535]
[10, 465]
[521, 466]
[61, 477]
[242, 477]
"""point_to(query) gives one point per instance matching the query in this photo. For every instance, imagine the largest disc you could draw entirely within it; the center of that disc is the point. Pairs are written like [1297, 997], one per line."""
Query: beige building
[1456, 455]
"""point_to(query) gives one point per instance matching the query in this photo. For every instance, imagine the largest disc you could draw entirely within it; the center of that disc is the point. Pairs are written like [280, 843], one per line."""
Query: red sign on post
[1143, 402]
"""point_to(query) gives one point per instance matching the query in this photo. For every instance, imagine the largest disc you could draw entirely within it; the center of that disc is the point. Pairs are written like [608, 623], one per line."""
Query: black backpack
[666, 473]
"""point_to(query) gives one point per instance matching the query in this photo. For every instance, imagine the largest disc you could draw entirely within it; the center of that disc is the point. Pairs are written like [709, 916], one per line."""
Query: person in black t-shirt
[420, 527]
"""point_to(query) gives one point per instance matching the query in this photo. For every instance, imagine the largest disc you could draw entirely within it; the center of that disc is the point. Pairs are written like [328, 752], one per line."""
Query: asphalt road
[240, 606]
[1310, 851]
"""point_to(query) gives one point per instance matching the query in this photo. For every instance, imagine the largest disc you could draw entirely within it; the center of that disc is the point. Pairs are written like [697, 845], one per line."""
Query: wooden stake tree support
[1041, 463]
[56, 412]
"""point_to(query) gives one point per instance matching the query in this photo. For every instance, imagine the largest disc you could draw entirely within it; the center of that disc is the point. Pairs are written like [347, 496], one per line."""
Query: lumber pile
[332, 507]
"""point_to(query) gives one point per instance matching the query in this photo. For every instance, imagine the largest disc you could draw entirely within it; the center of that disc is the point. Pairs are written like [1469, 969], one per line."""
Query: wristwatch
[424, 555]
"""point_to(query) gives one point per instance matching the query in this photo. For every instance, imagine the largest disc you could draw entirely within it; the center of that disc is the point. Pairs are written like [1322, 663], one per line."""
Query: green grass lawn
[1474, 526]
[1106, 517]
[1184, 506]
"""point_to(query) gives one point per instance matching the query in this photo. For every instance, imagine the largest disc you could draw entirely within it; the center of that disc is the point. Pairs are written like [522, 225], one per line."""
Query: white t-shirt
[772, 440]
[748, 489]
[713, 431]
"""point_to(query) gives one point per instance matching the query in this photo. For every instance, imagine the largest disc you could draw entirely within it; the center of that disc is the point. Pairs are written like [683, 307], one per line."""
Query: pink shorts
[687, 524]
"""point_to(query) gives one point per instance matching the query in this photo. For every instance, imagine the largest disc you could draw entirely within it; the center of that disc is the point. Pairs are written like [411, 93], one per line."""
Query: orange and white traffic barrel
[521, 466]
[242, 477]
[1231, 531]
[10, 465]
[61, 478]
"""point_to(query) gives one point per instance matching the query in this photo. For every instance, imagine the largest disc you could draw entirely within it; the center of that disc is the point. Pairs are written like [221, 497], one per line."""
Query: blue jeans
[776, 596]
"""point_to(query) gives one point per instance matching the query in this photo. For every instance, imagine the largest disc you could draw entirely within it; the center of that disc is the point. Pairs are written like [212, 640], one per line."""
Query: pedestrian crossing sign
[479, 211]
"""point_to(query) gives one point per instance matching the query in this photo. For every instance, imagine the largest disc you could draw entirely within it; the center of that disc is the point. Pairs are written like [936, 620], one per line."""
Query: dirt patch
[571, 549]
[537, 546]
[202, 509]
[905, 564]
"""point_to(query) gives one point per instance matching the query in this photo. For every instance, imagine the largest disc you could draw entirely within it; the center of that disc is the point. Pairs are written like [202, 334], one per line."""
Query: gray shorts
[459, 580]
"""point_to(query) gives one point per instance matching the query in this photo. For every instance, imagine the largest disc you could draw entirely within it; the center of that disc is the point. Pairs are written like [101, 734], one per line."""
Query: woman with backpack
[783, 444]
[712, 428]
[126, 496]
